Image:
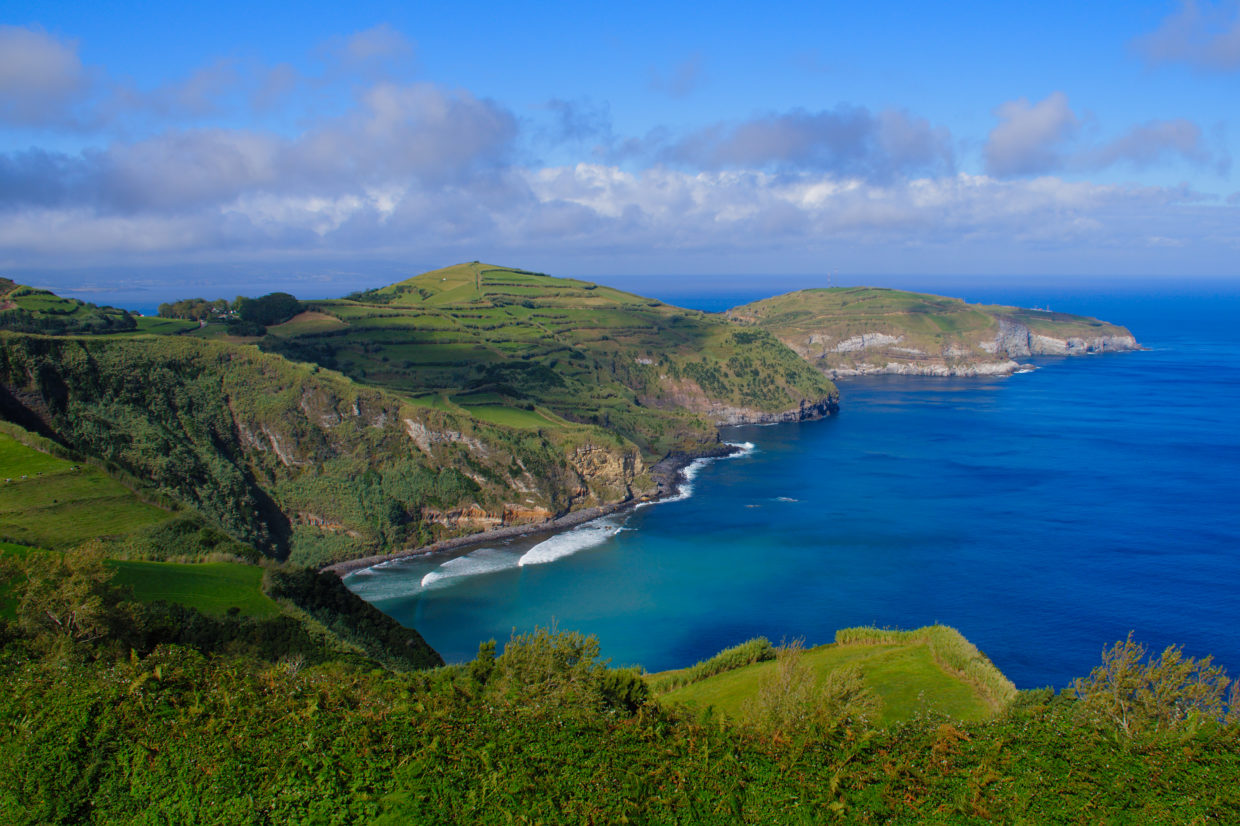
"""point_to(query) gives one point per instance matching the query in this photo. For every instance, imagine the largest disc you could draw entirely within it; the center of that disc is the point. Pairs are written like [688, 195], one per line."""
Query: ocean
[1045, 515]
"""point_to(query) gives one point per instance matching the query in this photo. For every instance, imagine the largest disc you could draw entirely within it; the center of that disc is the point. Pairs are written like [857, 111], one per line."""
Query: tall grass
[752, 651]
[950, 650]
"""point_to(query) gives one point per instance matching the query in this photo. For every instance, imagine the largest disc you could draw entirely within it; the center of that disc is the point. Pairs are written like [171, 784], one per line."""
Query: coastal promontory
[851, 331]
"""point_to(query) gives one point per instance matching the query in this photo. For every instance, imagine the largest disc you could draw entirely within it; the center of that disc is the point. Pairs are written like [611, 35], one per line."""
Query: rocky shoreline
[667, 475]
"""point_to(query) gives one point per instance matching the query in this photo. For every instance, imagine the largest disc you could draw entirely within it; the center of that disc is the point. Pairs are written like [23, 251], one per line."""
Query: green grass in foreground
[904, 676]
[50, 502]
[211, 587]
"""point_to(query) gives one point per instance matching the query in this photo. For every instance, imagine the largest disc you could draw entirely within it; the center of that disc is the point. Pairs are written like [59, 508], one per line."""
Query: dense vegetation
[545, 733]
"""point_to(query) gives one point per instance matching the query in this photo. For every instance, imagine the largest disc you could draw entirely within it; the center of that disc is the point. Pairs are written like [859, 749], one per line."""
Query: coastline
[667, 475]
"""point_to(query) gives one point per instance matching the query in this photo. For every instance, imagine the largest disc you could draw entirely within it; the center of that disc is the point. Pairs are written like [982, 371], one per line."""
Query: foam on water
[587, 535]
[691, 470]
[481, 561]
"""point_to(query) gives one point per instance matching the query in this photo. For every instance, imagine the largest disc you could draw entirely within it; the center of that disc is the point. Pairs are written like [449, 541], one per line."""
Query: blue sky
[152, 147]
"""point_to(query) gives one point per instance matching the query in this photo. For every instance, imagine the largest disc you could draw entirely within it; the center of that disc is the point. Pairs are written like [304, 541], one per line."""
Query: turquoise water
[1044, 515]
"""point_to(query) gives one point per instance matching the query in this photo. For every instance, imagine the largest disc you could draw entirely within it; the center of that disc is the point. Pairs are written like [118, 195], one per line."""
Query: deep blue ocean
[1044, 515]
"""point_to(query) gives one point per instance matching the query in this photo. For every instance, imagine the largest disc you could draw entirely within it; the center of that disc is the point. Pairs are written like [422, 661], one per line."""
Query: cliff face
[687, 394]
[851, 332]
[300, 462]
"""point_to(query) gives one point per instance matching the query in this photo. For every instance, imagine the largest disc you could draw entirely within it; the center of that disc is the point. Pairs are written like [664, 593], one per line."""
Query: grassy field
[165, 326]
[905, 676]
[211, 587]
[48, 502]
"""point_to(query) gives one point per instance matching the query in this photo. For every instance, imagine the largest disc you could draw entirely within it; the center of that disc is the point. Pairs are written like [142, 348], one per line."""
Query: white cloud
[1029, 137]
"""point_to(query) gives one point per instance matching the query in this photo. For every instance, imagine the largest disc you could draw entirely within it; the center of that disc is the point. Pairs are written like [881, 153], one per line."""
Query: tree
[1139, 697]
[68, 596]
[272, 308]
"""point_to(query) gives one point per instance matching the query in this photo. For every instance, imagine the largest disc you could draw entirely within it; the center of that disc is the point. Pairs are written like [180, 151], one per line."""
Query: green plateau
[845, 331]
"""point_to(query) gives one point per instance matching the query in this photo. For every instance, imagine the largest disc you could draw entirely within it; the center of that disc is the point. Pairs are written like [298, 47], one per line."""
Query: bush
[1140, 697]
[551, 672]
[790, 703]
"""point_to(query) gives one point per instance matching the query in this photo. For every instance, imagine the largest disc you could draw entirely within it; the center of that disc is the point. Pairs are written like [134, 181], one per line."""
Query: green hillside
[848, 330]
[90, 562]
[484, 338]
[31, 310]
[299, 462]
[492, 396]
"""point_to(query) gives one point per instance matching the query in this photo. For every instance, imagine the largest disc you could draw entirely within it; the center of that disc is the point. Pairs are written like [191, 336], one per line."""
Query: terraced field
[529, 350]
[48, 502]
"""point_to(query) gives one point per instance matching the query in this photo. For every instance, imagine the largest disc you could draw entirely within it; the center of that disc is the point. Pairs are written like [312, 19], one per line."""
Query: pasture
[211, 587]
[49, 502]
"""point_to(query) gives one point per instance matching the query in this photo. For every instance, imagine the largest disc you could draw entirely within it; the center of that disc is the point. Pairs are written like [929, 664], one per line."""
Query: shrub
[1138, 697]
[791, 703]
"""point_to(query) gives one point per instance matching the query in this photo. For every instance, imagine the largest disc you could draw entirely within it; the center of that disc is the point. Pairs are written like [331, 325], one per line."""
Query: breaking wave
[481, 561]
[588, 535]
[691, 470]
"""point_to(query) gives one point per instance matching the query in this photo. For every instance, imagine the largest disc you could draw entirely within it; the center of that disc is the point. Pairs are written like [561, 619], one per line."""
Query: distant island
[855, 331]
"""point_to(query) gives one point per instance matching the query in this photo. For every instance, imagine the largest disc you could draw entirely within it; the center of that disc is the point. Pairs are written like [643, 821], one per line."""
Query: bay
[1044, 515]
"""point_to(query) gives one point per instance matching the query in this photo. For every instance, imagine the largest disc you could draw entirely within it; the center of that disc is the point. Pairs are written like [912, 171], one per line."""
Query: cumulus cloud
[1045, 137]
[41, 78]
[1206, 36]
[849, 140]
[1030, 136]
[417, 134]
[404, 168]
